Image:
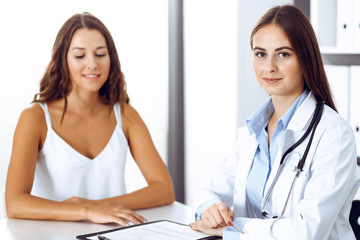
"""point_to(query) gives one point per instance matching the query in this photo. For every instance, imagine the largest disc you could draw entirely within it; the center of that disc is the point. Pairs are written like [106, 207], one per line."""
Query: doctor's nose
[271, 65]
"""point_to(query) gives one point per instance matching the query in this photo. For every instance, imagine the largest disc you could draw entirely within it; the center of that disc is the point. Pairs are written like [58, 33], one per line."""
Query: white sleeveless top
[62, 172]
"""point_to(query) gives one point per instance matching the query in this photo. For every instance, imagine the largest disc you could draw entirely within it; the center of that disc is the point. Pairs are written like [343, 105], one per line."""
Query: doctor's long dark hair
[56, 83]
[301, 35]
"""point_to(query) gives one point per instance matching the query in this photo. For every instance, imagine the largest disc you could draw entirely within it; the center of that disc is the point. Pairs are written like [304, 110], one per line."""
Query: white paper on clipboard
[160, 230]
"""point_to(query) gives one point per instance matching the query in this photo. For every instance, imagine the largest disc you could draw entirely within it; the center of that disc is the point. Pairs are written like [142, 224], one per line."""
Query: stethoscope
[312, 127]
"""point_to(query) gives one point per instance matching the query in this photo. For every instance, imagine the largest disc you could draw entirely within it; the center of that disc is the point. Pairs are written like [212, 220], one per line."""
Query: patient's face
[88, 60]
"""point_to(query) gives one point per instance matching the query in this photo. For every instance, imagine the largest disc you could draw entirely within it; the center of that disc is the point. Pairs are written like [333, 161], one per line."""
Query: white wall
[210, 40]
[140, 32]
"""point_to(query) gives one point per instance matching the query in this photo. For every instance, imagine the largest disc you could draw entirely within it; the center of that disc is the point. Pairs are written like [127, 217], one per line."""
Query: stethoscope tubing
[312, 127]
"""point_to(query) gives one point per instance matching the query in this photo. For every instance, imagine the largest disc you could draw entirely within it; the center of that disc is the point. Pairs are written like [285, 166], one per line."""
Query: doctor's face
[276, 66]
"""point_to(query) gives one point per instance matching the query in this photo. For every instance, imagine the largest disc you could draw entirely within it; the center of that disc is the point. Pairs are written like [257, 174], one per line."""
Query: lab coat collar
[298, 123]
[302, 116]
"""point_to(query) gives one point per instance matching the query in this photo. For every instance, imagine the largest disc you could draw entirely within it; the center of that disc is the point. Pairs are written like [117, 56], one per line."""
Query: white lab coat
[320, 202]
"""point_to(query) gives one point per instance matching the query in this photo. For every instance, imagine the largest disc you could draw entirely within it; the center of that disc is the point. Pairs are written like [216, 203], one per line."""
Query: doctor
[262, 191]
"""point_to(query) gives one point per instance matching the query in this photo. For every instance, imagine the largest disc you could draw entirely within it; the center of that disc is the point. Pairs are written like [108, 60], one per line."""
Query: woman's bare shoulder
[33, 112]
[131, 121]
[129, 114]
[33, 116]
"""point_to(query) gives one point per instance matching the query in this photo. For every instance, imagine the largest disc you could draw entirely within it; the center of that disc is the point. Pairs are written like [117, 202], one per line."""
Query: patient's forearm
[27, 206]
[154, 195]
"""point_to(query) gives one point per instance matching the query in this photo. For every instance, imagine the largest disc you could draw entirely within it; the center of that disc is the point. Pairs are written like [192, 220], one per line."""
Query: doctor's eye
[260, 54]
[284, 54]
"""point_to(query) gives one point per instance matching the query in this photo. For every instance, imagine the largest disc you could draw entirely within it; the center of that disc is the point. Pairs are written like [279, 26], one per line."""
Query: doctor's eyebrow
[276, 50]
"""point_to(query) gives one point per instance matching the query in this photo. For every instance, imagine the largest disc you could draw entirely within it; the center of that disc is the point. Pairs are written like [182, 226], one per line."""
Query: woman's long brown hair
[302, 37]
[56, 82]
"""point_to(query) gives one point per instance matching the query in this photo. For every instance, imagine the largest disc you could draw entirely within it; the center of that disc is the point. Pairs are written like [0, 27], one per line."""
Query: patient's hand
[200, 226]
[99, 213]
[111, 214]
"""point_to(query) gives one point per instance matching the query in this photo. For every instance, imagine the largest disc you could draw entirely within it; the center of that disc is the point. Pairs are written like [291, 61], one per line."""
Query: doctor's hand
[200, 226]
[217, 215]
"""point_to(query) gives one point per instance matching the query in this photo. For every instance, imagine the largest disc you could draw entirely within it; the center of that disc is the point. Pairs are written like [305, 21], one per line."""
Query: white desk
[19, 229]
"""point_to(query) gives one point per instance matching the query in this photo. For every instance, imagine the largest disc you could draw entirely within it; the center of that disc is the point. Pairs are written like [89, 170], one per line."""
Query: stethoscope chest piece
[290, 165]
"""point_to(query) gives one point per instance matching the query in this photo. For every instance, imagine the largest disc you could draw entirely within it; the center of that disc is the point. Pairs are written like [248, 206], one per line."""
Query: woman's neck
[85, 104]
[281, 105]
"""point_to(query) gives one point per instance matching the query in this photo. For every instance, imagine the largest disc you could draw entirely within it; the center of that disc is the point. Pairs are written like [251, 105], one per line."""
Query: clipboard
[146, 227]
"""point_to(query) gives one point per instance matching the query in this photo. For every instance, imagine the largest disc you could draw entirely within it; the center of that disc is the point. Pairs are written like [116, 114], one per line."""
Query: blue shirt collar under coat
[256, 122]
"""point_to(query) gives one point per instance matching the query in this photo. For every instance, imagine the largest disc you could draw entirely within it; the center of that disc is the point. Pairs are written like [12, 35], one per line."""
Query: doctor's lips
[272, 80]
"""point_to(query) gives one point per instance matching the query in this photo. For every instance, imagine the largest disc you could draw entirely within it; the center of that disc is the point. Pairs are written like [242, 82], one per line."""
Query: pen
[103, 237]
[237, 228]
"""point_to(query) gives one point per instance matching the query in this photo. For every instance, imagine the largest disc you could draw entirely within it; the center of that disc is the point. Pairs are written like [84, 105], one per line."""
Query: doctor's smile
[272, 80]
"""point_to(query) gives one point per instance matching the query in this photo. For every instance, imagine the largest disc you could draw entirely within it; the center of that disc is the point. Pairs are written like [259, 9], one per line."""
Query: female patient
[271, 188]
[70, 144]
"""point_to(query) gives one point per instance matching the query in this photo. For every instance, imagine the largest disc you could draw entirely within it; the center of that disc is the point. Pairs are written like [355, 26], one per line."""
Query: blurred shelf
[340, 56]
[339, 51]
